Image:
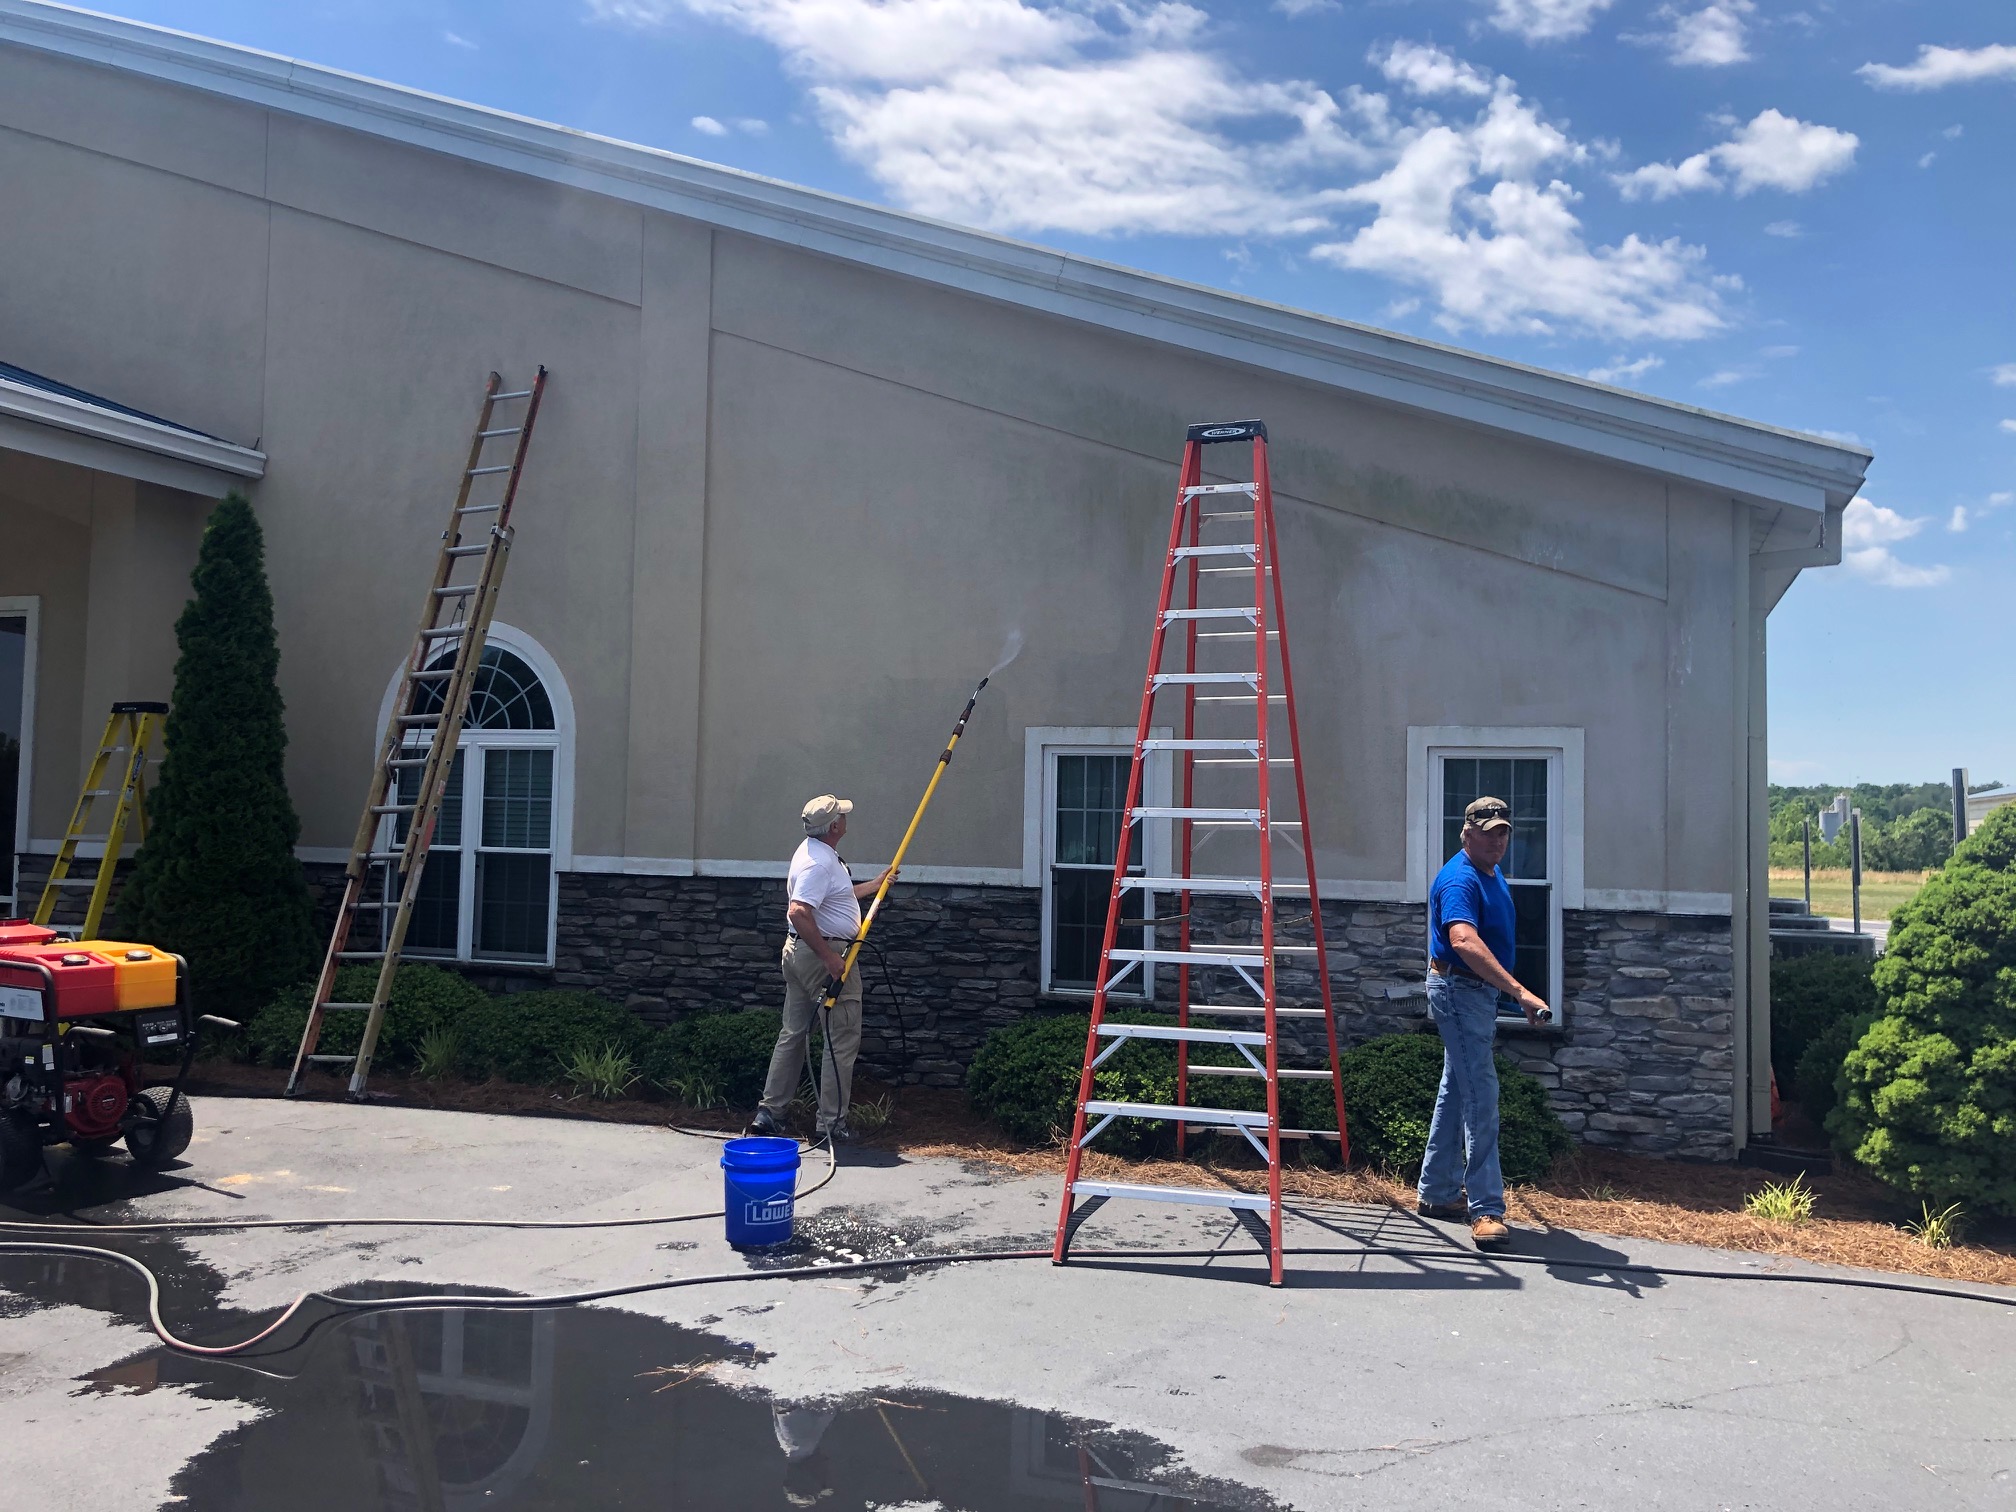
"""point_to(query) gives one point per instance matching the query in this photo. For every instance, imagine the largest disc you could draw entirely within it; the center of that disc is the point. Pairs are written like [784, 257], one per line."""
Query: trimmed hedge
[523, 1036]
[1819, 1075]
[1025, 1079]
[715, 1060]
[423, 998]
[1810, 995]
[1928, 1094]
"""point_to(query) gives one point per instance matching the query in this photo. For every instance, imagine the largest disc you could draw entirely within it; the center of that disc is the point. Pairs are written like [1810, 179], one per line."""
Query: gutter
[39, 407]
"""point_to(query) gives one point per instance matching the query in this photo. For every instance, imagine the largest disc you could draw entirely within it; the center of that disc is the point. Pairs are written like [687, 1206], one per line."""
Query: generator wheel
[20, 1152]
[157, 1141]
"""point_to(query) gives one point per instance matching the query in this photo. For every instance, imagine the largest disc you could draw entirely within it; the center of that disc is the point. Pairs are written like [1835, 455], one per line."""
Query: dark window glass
[13, 718]
[506, 695]
[437, 908]
[518, 799]
[512, 896]
[1533, 938]
[1091, 791]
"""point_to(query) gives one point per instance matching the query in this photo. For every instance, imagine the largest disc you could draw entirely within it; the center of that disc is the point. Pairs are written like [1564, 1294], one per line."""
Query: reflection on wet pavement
[586, 1408]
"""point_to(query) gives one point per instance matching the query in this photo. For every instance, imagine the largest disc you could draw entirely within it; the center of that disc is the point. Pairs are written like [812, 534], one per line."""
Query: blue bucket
[759, 1178]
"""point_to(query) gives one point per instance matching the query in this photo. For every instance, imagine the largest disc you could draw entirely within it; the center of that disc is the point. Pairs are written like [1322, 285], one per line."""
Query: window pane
[1528, 856]
[449, 830]
[13, 715]
[1494, 777]
[1089, 794]
[1459, 790]
[1078, 900]
[506, 694]
[518, 799]
[437, 908]
[1533, 942]
[512, 897]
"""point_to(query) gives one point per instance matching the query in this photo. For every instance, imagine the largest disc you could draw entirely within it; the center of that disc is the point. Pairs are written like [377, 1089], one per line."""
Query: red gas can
[85, 982]
[22, 932]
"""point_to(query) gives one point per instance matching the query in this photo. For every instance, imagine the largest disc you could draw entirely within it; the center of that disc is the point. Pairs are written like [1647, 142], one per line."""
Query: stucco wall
[781, 511]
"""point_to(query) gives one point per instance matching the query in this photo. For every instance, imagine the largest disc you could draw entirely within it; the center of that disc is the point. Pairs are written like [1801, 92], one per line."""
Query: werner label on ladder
[416, 759]
[1222, 604]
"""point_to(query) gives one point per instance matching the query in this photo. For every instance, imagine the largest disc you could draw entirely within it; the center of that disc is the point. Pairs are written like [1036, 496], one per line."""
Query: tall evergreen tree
[217, 880]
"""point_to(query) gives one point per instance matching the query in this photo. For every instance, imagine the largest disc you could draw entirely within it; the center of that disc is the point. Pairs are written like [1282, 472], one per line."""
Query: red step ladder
[1224, 562]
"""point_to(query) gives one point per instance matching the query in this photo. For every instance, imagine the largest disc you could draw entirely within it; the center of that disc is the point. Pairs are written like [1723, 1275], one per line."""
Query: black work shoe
[1443, 1212]
[838, 1134]
[764, 1125]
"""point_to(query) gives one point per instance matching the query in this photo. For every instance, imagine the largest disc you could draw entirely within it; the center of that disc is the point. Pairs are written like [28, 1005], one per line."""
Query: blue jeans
[1463, 1136]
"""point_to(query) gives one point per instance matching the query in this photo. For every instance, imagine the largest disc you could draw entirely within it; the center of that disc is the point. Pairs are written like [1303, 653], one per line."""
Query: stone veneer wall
[1643, 1060]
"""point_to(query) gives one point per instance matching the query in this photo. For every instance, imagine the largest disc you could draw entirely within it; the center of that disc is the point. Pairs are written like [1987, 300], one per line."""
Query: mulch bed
[1857, 1222]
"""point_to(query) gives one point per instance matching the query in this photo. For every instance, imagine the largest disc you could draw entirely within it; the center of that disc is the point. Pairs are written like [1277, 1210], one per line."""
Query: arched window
[488, 892]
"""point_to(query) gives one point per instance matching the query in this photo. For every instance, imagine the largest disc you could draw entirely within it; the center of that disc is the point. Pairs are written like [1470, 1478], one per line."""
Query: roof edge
[20, 401]
[1760, 463]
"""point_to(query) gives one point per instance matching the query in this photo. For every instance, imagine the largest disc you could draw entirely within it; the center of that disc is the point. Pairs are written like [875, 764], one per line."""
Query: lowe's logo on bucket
[775, 1209]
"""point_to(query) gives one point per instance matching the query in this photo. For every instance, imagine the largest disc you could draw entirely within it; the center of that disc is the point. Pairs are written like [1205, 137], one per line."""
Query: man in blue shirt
[1471, 951]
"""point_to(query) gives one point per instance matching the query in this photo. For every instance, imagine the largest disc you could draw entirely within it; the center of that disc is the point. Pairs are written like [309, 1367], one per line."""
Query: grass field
[1882, 892]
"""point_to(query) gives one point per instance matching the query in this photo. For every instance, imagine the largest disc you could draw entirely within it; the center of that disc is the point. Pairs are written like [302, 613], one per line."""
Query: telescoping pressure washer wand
[889, 877]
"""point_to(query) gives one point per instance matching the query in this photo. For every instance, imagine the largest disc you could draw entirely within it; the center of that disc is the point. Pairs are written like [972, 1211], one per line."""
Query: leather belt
[1455, 968]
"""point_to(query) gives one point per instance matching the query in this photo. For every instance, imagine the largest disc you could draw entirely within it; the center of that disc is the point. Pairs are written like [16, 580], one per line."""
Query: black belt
[1455, 968]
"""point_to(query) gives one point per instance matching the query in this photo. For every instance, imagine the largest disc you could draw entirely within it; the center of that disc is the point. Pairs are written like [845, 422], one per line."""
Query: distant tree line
[1905, 826]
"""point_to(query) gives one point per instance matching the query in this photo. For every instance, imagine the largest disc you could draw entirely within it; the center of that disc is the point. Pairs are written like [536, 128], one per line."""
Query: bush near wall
[423, 998]
[715, 1060]
[524, 1036]
[1025, 1079]
[1810, 996]
[1928, 1093]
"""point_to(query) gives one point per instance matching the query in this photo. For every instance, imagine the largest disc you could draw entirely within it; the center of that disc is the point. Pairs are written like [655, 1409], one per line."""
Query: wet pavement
[1411, 1373]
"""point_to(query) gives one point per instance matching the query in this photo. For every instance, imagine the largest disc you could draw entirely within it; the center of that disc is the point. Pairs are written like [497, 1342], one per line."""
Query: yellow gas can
[143, 977]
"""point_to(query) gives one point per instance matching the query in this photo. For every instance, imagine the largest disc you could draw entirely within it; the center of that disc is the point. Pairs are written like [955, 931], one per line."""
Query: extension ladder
[389, 855]
[1251, 626]
[129, 733]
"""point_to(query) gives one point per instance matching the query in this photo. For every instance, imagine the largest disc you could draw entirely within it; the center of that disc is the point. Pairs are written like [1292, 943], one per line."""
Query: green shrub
[1820, 1065]
[1025, 1079]
[1929, 1092]
[714, 1060]
[606, 1071]
[424, 998]
[1809, 995]
[524, 1036]
[1389, 1100]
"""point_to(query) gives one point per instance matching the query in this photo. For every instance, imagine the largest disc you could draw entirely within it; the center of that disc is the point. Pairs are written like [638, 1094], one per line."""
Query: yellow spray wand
[889, 877]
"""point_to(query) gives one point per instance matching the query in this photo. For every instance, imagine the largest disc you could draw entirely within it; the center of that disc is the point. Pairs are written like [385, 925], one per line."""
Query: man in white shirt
[824, 915]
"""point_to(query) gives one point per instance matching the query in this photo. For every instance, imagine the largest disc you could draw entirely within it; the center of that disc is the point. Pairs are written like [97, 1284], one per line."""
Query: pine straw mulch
[1858, 1222]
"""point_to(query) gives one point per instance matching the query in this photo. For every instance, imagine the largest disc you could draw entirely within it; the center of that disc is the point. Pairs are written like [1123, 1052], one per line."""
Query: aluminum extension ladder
[129, 733]
[389, 855]
[1251, 626]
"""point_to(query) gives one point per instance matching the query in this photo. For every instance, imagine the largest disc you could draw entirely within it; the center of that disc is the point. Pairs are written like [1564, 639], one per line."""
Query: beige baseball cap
[820, 813]
[1488, 814]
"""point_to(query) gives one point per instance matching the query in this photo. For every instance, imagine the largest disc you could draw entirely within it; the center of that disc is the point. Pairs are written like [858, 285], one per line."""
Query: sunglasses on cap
[1486, 812]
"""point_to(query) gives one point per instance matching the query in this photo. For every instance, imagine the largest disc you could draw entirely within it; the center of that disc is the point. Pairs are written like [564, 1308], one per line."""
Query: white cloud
[1958, 522]
[1624, 373]
[1790, 230]
[1122, 117]
[1714, 36]
[1868, 531]
[1425, 70]
[1997, 500]
[1545, 20]
[2006, 425]
[752, 126]
[1954, 133]
[1927, 160]
[1296, 9]
[1936, 67]
[1775, 352]
[2003, 375]
[1727, 376]
[708, 126]
[1771, 151]
[456, 39]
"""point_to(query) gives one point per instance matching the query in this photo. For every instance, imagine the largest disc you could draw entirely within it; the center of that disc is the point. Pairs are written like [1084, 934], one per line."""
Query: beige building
[803, 468]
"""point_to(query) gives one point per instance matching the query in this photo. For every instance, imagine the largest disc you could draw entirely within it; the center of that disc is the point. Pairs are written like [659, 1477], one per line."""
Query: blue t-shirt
[1464, 895]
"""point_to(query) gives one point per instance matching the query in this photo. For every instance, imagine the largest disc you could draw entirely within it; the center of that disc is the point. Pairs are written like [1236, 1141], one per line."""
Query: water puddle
[587, 1408]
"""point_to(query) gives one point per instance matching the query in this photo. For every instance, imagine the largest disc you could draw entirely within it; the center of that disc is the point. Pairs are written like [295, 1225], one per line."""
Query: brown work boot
[1444, 1212]
[1489, 1233]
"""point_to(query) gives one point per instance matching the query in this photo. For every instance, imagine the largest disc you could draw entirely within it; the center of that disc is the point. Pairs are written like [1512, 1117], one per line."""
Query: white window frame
[29, 607]
[1042, 745]
[473, 745]
[1428, 746]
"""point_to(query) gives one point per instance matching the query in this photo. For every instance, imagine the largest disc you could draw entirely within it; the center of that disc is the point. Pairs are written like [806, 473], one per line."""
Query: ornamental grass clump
[1928, 1092]
[1781, 1201]
[605, 1071]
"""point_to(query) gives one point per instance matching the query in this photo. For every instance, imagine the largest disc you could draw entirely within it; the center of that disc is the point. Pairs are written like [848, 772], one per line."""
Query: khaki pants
[805, 984]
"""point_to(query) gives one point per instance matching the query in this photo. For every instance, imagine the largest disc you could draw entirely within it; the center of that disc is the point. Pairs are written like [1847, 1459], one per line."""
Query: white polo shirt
[819, 878]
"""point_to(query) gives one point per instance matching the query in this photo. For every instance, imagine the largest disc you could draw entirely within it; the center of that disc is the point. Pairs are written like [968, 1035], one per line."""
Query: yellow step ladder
[129, 735]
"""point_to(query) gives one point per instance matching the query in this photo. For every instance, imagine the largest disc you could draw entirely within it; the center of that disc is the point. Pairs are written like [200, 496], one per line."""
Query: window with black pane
[1088, 792]
[15, 676]
[1525, 783]
[487, 891]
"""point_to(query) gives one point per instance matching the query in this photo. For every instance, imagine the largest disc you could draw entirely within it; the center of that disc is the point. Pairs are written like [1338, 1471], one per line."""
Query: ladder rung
[407, 761]
[394, 808]
[375, 905]
[1244, 761]
[1240, 570]
[456, 590]
[1197, 1196]
[433, 674]
[1233, 635]
[514, 394]
[467, 551]
[479, 509]
[398, 855]
[1255, 1009]
[333, 1060]
[420, 719]
[360, 955]
[74, 882]
[1230, 514]
[1204, 679]
[1251, 747]
[1230, 1117]
[509, 430]
[345, 1008]
[446, 632]
[1250, 886]
[1239, 698]
[97, 792]
[1283, 1072]
[1184, 1036]
[1211, 955]
[482, 472]
[1244, 548]
[1202, 614]
[1251, 489]
[1209, 815]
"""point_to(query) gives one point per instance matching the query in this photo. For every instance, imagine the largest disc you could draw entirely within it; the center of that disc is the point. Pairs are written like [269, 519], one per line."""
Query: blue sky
[1799, 213]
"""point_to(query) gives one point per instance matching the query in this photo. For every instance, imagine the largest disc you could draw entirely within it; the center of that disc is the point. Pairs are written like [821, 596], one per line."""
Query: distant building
[1834, 818]
[1981, 805]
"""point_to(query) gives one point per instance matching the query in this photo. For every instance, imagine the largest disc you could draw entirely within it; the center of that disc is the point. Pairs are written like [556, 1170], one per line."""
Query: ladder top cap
[1227, 430]
[139, 708]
